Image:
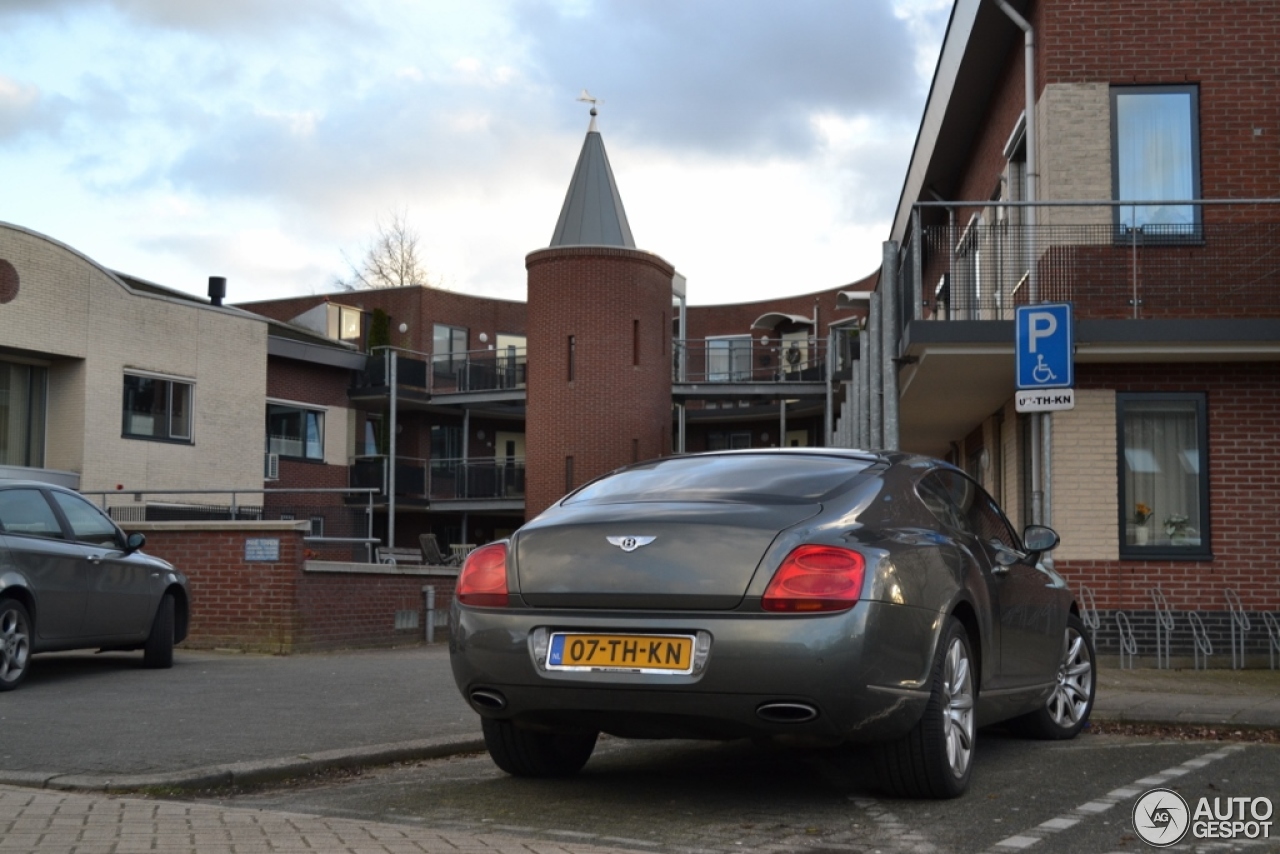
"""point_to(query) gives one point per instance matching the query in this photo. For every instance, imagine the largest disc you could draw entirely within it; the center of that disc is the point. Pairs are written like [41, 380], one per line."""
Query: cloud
[253, 18]
[24, 111]
[725, 75]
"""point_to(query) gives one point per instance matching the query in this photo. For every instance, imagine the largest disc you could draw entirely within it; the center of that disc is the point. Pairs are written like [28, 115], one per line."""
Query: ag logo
[1161, 818]
[630, 544]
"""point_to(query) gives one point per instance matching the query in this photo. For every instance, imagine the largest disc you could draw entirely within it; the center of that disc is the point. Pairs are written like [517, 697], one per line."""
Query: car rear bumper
[855, 676]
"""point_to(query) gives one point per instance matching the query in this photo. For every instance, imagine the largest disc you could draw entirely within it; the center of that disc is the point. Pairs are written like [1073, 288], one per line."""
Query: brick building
[501, 407]
[1122, 158]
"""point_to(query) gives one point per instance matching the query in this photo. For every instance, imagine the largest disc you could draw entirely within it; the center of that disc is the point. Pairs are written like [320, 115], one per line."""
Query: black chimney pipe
[217, 289]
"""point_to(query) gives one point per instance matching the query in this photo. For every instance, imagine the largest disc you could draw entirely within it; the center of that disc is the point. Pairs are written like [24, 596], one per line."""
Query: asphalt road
[696, 797]
[81, 713]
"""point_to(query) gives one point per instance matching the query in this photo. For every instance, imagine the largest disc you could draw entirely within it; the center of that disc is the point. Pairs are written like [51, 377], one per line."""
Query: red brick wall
[614, 410]
[1244, 492]
[278, 607]
[340, 610]
[1225, 46]
[234, 603]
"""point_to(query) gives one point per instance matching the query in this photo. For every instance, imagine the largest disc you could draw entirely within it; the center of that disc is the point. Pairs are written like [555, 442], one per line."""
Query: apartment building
[1123, 158]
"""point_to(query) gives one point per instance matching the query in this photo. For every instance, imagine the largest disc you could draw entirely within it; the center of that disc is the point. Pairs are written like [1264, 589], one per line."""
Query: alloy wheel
[1071, 696]
[959, 723]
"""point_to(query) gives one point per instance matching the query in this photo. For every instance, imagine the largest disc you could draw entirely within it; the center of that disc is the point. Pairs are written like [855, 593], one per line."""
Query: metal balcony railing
[748, 361]
[448, 373]
[1221, 261]
[477, 479]
[442, 479]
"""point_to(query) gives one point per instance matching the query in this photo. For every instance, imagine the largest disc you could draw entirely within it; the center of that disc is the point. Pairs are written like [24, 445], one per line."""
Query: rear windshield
[757, 478]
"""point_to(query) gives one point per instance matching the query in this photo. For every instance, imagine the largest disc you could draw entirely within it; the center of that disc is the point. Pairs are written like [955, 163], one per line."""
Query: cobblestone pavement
[49, 822]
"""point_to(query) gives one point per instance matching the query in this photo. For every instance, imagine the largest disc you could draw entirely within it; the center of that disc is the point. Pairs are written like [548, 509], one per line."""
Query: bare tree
[391, 259]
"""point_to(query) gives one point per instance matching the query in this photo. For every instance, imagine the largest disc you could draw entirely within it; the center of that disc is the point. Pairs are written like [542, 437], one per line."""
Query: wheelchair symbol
[1041, 373]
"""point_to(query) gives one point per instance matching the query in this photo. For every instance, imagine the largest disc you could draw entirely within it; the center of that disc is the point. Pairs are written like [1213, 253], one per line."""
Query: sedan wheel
[15, 643]
[935, 759]
[1067, 709]
[528, 753]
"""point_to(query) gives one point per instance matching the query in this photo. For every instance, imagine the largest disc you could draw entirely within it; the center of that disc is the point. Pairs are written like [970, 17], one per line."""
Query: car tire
[527, 753]
[157, 653]
[935, 759]
[15, 644]
[1067, 710]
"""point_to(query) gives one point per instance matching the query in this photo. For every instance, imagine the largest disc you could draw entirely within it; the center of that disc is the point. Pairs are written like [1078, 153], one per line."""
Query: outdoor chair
[431, 553]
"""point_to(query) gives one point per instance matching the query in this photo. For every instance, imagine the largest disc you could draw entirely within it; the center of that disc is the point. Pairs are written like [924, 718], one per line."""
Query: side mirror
[134, 542]
[1038, 538]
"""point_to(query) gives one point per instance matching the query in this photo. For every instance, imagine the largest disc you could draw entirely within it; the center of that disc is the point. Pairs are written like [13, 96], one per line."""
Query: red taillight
[483, 580]
[816, 578]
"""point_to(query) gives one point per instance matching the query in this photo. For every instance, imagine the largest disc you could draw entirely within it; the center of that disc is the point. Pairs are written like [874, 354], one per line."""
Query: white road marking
[1031, 836]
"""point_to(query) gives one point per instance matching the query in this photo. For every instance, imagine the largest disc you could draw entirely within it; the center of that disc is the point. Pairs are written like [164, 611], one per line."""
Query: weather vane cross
[586, 97]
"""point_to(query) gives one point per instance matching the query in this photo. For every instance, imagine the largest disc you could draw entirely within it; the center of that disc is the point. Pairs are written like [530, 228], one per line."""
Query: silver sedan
[71, 579]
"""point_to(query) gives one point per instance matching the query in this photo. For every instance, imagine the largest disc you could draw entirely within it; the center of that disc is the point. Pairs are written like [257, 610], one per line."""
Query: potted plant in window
[1178, 527]
[1141, 516]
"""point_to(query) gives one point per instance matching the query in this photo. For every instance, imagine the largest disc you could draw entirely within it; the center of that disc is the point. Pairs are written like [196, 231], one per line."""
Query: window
[345, 323]
[293, 431]
[573, 357]
[1156, 157]
[22, 412]
[88, 523]
[156, 408]
[729, 358]
[1164, 488]
[25, 512]
[449, 348]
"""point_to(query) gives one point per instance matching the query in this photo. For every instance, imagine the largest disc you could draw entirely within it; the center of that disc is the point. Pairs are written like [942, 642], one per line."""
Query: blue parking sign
[1044, 346]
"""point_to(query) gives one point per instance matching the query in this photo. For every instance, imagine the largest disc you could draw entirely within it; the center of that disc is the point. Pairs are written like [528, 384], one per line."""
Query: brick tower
[599, 339]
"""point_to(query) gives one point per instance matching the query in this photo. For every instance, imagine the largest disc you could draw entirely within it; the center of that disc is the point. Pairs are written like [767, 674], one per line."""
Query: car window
[937, 494]
[766, 478]
[25, 512]
[990, 523]
[88, 523]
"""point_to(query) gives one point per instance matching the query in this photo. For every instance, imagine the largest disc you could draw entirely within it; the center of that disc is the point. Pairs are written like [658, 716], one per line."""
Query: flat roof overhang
[747, 391]
[958, 373]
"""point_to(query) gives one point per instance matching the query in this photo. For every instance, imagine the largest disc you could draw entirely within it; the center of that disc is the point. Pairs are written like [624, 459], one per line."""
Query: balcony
[433, 481]
[745, 369]
[475, 375]
[1222, 263]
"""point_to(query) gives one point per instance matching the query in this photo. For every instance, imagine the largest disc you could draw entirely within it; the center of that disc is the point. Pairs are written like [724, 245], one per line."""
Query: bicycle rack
[1128, 643]
[1239, 627]
[1273, 635]
[1204, 647]
[1164, 628]
[1089, 613]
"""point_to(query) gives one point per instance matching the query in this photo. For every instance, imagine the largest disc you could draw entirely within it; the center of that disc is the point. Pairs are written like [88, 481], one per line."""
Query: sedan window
[767, 478]
[25, 512]
[88, 523]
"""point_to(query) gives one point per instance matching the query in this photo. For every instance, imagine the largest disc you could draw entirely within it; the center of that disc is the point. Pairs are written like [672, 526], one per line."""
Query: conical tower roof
[592, 214]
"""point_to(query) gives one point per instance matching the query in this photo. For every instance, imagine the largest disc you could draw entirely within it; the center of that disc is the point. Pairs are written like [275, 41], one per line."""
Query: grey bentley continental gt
[814, 596]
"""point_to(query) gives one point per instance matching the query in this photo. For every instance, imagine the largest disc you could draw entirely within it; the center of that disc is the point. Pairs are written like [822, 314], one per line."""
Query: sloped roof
[592, 214]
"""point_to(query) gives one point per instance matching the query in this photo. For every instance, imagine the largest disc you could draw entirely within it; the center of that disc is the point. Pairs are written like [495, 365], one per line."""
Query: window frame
[1125, 232]
[730, 348]
[1157, 551]
[304, 410]
[169, 435]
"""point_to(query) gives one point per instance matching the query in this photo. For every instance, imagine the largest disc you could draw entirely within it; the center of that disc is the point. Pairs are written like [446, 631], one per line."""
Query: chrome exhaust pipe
[787, 713]
[488, 700]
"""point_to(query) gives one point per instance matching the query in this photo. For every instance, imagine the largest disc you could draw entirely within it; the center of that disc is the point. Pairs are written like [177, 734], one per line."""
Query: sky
[759, 146]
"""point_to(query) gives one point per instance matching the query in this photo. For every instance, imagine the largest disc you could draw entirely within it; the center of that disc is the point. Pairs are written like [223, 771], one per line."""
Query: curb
[249, 773]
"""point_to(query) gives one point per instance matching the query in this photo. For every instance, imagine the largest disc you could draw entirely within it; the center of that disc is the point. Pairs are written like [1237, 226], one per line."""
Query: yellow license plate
[633, 653]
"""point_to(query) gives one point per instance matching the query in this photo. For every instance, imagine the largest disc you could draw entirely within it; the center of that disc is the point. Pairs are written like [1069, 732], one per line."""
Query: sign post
[1044, 345]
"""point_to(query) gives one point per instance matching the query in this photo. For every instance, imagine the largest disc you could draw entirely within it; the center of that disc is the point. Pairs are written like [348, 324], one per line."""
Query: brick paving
[48, 822]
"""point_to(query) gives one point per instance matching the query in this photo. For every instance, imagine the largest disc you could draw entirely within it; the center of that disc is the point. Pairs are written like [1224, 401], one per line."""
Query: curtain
[1162, 471]
[1154, 154]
